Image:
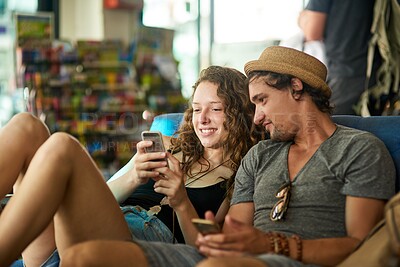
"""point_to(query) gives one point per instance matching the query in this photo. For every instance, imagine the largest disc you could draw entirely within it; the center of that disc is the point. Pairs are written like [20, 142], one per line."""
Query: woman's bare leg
[20, 138]
[61, 180]
[104, 253]
[41, 248]
[232, 262]
[19, 141]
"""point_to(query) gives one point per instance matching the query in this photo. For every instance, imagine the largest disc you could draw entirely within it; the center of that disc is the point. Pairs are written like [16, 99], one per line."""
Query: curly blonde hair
[232, 90]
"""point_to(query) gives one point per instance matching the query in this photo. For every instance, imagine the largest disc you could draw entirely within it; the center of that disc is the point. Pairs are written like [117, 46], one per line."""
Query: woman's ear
[297, 88]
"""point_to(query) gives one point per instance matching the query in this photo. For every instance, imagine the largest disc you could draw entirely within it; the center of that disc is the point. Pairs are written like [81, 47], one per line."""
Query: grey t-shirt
[350, 162]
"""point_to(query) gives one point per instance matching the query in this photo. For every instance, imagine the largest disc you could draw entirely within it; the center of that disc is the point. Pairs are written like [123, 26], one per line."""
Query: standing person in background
[344, 26]
[315, 48]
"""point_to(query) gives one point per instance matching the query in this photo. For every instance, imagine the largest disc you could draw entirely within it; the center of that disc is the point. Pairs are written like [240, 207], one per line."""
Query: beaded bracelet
[269, 236]
[299, 245]
[285, 245]
[279, 243]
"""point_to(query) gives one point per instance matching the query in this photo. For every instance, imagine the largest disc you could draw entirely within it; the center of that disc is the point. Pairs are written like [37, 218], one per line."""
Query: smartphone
[156, 138]
[206, 227]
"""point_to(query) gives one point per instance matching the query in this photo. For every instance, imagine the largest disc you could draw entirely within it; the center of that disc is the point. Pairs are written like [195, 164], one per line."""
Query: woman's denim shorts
[52, 261]
[146, 227]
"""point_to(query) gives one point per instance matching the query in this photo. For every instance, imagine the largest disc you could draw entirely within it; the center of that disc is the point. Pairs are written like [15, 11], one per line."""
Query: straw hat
[290, 61]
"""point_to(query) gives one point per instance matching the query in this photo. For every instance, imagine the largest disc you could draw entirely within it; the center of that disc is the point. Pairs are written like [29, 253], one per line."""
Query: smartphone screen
[156, 138]
[206, 227]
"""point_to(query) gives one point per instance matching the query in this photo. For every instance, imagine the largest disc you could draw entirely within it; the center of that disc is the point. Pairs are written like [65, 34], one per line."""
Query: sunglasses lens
[281, 193]
[278, 210]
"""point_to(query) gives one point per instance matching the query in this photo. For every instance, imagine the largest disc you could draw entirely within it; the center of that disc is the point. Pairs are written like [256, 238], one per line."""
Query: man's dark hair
[283, 81]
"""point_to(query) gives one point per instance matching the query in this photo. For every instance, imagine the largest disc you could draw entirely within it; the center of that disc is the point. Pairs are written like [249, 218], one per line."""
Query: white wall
[81, 19]
[121, 25]
[235, 55]
[86, 19]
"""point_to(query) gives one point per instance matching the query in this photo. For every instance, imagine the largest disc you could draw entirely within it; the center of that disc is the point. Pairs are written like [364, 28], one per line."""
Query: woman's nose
[203, 118]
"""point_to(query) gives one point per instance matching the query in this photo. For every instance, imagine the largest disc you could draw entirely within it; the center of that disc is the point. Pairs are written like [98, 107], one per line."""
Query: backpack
[381, 248]
[383, 98]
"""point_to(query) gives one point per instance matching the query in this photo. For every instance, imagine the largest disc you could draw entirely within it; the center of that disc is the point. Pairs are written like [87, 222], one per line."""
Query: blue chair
[167, 124]
[387, 128]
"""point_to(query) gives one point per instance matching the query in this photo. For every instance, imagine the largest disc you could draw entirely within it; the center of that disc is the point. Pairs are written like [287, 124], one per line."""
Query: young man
[306, 196]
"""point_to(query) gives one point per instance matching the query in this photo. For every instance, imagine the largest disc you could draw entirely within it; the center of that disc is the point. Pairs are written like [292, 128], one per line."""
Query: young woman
[55, 180]
[209, 149]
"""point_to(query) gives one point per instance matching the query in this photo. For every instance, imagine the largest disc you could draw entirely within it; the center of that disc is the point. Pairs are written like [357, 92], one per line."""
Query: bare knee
[31, 126]
[62, 143]
[64, 140]
[59, 148]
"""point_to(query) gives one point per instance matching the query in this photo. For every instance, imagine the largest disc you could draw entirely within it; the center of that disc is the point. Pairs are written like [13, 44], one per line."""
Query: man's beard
[281, 135]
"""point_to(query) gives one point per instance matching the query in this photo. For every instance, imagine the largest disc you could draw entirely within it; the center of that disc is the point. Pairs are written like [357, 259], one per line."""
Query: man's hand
[241, 239]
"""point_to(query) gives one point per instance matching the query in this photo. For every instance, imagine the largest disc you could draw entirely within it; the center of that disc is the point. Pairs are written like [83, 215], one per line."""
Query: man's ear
[297, 87]
[297, 84]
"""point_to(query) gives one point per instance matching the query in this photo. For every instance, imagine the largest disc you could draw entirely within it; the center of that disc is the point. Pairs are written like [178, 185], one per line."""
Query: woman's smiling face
[209, 115]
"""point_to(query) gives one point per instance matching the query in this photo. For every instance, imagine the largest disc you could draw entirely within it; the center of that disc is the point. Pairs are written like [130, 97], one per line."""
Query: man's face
[276, 110]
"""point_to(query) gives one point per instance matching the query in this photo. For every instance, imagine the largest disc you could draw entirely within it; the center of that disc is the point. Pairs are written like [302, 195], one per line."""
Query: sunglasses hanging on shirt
[279, 209]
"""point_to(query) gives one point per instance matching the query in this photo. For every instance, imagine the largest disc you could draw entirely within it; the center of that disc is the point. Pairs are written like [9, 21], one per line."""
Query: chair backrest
[167, 124]
[387, 128]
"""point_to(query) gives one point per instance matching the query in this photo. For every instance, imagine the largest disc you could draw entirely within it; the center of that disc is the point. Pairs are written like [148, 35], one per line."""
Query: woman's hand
[172, 183]
[141, 168]
[145, 164]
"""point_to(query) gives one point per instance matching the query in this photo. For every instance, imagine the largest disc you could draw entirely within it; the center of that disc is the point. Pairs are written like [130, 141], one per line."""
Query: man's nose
[258, 116]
